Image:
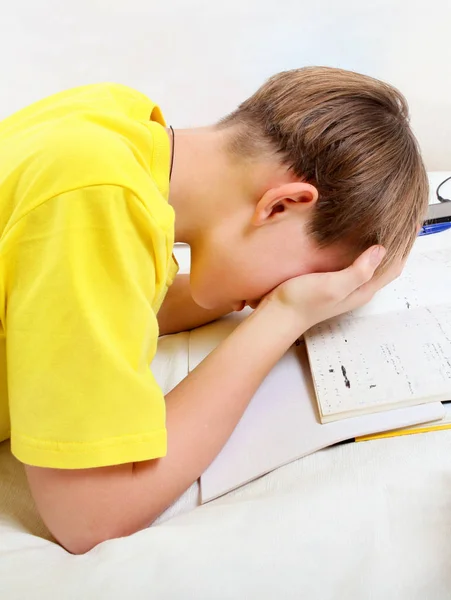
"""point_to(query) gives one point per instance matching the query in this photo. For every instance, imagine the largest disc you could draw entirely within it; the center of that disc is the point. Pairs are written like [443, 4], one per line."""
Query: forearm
[86, 507]
[179, 312]
[203, 410]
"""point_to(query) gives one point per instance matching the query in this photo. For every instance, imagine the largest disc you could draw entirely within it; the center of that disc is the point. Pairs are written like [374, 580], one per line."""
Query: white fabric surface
[369, 520]
[361, 521]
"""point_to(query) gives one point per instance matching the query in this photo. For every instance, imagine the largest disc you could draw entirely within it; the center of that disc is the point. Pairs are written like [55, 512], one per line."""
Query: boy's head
[318, 165]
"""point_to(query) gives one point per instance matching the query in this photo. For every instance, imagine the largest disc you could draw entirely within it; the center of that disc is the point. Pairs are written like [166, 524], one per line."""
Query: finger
[358, 297]
[365, 293]
[360, 272]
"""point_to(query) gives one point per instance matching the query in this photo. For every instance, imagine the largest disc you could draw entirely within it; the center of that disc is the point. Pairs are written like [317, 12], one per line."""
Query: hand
[320, 296]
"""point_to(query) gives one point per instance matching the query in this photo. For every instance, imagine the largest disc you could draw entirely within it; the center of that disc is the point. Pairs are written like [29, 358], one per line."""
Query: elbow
[83, 539]
[84, 508]
[82, 542]
[78, 547]
[91, 530]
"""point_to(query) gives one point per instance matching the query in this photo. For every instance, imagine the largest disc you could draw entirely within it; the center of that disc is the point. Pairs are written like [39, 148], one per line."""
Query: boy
[289, 205]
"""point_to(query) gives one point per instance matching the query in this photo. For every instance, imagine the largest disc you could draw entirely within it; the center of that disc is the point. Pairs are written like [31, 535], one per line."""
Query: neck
[200, 171]
[208, 185]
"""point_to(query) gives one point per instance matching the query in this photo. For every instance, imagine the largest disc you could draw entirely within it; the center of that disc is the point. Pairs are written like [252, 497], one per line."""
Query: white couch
[357, 521]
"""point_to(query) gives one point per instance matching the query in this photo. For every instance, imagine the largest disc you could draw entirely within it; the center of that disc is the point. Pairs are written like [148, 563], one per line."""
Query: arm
[85, 507]
[179, 312]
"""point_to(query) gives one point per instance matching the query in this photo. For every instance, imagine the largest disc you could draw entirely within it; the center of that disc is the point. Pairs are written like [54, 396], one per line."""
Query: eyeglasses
[437, 191]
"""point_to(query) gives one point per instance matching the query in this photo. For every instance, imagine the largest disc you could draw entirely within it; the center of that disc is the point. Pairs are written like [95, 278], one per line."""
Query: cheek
[263, 278]
[219, 277]
[272, 273]
[213, 283]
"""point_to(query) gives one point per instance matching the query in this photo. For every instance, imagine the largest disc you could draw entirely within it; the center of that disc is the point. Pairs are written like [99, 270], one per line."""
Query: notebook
[281, 423]
[394, 352]
[444, 423]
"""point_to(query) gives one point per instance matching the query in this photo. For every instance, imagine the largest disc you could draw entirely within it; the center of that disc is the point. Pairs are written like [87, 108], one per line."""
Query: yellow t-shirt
[86, 239]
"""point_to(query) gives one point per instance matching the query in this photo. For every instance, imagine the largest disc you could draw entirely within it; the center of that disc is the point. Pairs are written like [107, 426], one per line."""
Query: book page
[425, 281]
[367, 364]
[281, 422]
[397, 349]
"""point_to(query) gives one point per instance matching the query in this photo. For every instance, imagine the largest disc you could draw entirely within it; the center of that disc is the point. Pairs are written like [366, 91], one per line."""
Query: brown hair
[349, 135]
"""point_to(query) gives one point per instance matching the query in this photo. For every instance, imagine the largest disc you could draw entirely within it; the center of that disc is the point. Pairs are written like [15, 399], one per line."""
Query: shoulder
[81, 152]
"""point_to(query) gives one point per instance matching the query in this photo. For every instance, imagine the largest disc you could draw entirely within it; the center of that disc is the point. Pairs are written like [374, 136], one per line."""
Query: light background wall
[198, 59]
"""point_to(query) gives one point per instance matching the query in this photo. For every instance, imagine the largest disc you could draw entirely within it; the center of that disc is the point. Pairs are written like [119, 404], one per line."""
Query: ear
[277, 202]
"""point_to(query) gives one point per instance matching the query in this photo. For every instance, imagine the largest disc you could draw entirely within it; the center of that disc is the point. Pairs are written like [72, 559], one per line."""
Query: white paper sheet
[281, 422]
[395, 349]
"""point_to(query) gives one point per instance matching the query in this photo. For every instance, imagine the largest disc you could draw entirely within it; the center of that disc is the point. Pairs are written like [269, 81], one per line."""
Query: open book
[281, 423]
[396, 351]
[444, 423]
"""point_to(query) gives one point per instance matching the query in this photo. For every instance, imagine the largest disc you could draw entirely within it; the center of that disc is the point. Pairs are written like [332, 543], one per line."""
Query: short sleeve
[85, 273]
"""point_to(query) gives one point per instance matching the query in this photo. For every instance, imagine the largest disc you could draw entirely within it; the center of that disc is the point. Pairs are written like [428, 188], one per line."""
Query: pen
[434, 228]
